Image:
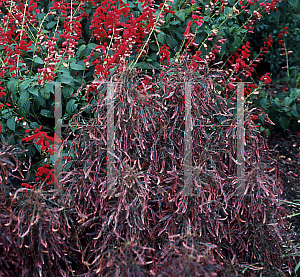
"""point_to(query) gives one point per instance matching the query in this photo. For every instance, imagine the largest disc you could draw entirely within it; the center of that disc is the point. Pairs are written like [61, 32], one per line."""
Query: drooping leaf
[11, 123]
[47, 113]
[38, 60]
[34, 90]
[12, 85]
[51, 24]
[71, 106]
[76, 66]
[67, 91]
[161, 37]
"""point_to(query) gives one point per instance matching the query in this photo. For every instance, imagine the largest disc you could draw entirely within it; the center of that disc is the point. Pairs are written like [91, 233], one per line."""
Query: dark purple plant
[148, 227]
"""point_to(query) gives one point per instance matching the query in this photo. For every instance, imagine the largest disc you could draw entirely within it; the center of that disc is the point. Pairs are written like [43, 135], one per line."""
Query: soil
[285, 148]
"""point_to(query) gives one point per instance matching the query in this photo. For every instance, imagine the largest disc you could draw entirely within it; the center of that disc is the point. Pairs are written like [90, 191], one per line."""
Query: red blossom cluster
[266, 79]
[249, 26]
[165, 53]
[272, 6]
[267, 44]
[239, 61]
[123, 37]
[10, 35]
[27, 186]
[48, 172]
[281, 34]
[197, 18]
[2, 91]
[281, 43]
[188, 35]
[42, 139]
[249, 88]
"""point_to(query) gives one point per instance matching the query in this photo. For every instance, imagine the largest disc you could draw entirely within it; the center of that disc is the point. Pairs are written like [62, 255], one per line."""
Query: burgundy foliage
[148, 226]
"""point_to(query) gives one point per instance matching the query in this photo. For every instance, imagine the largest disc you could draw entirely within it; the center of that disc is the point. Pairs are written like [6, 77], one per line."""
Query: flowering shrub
[283, 25]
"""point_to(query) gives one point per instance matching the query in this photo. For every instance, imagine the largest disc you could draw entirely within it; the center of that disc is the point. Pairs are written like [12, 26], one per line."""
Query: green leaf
[277, 102]
[45, 93]
[53, 159]
[47, 113]
[287, 101]
[294, 3]
[156, 65]
[38, 60]
[34, 125]
[275, 15]
[142, 65]
[227, 11]
[31, 150]
[24, 95]
[181, 15]
[39, 100]
[161, 37]
[295, 112]
[41, 16]
[80, 50]
[66, 78]
[190, 9]
[153, 46]
[92, 46]
[12, 85]
[295, 93]
[78, 79]
[63, 69]
[171, 42]
[71, 106]
[175, 22]
[179, 35]
[297, 267]
[46, 90]
[7, 113]
[237, 42]
[153, 56]
[20, 103]
[67, 91]
[51, 24]
[284, 122]
[76, 66]
[11, 123]
[24, 85]
[38, 148]
[25, 108]
[34, 90]
[263, 103]
[223, 50]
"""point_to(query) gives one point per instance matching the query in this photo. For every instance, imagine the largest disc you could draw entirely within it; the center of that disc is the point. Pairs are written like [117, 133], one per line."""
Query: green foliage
[283, 109]
[288, 15]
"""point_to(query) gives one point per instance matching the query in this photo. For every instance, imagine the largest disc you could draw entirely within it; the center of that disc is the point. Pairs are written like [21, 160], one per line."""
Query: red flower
[266, 79]
[187, 28]
[230, 86]
[169, 11]
[27, 186]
